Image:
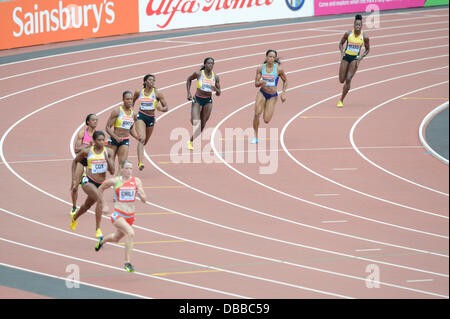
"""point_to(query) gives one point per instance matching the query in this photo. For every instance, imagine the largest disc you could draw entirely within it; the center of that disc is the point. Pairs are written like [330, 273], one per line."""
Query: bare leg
[140, 130]
[269, 109]
[74, 192]
[353, 66]
[128, 232]
[259, 108]
[195, 120]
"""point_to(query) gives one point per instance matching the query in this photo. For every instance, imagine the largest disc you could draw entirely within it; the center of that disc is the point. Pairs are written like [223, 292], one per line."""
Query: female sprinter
[83, 140]
[148, 97]
[122, 120]
[98, 162]
[266, 79]
[351, 55]
[126, 187]
[207, 82]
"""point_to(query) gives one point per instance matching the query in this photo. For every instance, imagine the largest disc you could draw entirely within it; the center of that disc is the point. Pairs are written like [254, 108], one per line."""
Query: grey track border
[179, 33]
[53, 287]
[436, 133]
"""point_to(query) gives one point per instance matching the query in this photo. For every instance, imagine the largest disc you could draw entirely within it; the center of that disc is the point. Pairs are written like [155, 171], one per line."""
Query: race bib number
[126, 124]
[99, 166]
[206, 87]
[147, 104]
[270, 80]
[353, 47]
[127, 195]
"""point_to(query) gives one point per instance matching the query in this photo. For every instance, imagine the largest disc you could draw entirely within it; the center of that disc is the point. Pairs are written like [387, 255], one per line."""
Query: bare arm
[105, 185]
[366, 47]
[112, 118]
[82, 154]
[136, 96]
[193, 76]
[77, 147]
[140, 190]
[258, 81]
[162, 105]
[217, 86]
[342, 42]
[283, 76]
[110, 162]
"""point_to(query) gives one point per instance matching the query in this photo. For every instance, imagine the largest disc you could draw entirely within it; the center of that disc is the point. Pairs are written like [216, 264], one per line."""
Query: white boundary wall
[158, 15]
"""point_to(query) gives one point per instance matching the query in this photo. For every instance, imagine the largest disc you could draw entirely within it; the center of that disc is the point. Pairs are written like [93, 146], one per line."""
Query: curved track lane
[351, 189]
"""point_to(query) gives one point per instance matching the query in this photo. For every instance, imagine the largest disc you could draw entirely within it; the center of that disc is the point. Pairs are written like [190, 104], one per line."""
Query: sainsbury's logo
[62, 18]
[169, 8]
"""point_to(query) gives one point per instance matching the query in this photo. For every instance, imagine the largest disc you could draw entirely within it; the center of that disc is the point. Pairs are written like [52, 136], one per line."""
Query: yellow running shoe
[73, 222]
[340, 104]
[98, 233]
[141, 166]
[190, 146]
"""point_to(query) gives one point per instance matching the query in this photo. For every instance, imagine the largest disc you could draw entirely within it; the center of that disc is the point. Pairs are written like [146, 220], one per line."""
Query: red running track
[351, 207]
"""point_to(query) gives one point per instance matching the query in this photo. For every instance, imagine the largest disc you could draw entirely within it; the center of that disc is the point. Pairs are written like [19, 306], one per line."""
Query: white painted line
[75, 281]
[370, 249]
[283, 131]
[334, 221]
[193, 263]
[219, 32]
[55, 197]
[230, 250]
[422, 131]
[352, 131]
[121, 269]
[182, 42]
[419, 280]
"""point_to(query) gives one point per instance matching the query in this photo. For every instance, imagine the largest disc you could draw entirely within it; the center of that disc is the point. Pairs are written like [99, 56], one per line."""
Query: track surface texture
[346, 202]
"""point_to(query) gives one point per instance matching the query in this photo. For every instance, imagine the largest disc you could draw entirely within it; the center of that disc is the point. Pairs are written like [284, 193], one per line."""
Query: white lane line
[419, 280]
[282, 142]
[226, 59]
[334, 221]
[313, 227]
[230, 250]
[212, 33]
[31, 184]
[213, 146]
[183, 42]
[120, 269]
[202, 265]
[422, 132]
[355, 147]
[74, 281]
[242, 151]
[397, 52]
[258, 53]
[324, 195]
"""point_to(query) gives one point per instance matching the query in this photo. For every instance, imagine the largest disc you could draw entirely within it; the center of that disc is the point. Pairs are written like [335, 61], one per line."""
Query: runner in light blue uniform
[267, 76]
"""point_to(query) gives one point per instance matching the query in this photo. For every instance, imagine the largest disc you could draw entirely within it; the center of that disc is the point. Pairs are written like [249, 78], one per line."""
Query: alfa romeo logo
[295, 4]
